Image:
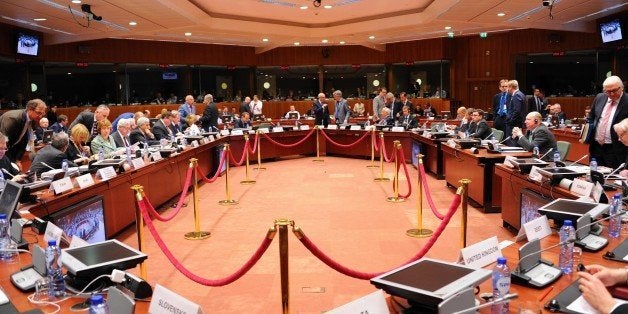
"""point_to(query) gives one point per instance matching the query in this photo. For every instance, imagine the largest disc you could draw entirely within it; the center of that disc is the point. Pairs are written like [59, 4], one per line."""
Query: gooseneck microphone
[610, 174]
[619, 213]
[547, 152]
[47, 165]
[486, 138]
[575, 162]
[506, 298]
[7, 173]
[543, 250]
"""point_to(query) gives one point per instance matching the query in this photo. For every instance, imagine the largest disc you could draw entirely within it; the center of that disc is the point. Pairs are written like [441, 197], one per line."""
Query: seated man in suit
[52, 155]
[593, 283]
[385, 117]
[406, 119]
[293, 112]
[161, 129]
[480, 130]
[557, 112]
[121, 135]
[61, 125]
[538, 135]
[143, 134]
[39, 131]
[244, 122]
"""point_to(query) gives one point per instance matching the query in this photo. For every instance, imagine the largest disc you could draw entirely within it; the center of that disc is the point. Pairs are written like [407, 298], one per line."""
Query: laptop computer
[47, 137]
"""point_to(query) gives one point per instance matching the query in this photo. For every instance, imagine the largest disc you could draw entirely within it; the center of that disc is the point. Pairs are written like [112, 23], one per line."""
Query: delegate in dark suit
[58, 128]
[514, 117]
[210, 117]
[85, 118]
[52, 157]
[117, 138]
[137, 136]
[481, 130]
[537, 104]
[408, 121]
[321, 113]
[609, 154]
[499, 112]
[540, 137]
[241, 124]
[160, 130]
[12, 124]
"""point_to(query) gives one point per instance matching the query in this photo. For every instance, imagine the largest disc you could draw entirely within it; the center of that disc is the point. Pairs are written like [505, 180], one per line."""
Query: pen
[546, 293]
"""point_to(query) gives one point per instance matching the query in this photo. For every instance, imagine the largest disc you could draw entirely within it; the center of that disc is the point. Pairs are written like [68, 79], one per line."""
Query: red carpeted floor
[338, 206]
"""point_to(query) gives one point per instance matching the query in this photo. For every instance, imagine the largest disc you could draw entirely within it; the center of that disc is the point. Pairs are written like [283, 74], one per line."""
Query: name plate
[165, 301]
[53, 233]
[370, 128]
[451, 143]
[138, 162]
[62, 185]
[581, 187]
[224, 132]
[508, 161]
[355, 128]
[77, 242]
[537, 228]
[535, 175]
[304, 127]
[235, 132]
[371, 303]
[277, 129]
[398, 129]
[155, 156]
[295, 128]
[211, 138]
[426, 134]
[194, 143]
[106, 173]
[85, 180]
[482, 253]
[332, 127]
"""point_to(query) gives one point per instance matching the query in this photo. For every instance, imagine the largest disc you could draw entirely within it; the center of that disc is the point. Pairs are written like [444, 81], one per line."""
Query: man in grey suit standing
[537, 135]
[342, 111]
[379, 102]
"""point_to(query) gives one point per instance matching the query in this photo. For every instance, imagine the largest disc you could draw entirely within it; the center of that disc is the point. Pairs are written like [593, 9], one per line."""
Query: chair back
[499, 134]
[563, 149]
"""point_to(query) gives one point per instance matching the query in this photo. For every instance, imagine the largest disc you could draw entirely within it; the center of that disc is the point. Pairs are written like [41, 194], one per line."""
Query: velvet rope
[428, 194]
[203, 281]
[252, 151]
[244, 150]
[366, 276]
[402, 158]
[383, 146]
[289, 145]
[374, 141]
[344, 145]
[186, 186]
[215, 176]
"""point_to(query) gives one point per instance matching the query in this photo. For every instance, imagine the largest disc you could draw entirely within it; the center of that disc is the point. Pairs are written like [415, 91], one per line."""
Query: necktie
[538, 104]
[126, 144]
[95, 128]
[601, 128]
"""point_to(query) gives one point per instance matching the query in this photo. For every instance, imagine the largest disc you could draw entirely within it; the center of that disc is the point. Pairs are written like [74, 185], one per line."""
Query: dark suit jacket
[85, 118]
[11, 124]
[396, 108]
[515, 109]
[210, 117]
[239, 124]
[481, 131]
[499, 121]
[532, 105]
[117, 137]
[175, 128]
[621, 113]
[620, 309]
[321, 114]
[52, 157]
[160, 130]
[59, 128]
[5, 164]
[543, 138]
[412, 121]
[138, 136]
[39, 134]
[245, 107]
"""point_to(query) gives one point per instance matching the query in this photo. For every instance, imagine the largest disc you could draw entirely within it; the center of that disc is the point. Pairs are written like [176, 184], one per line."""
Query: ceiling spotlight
[296, 43]
[188, 34]
[265, 39]
[327, 6]
[342, 42]
[371, 37]
[132, 23]
[324, 41]
[316, 3]
[76, 1]
[500, 14]
[39, 19]
[448, 27]
[303, 7]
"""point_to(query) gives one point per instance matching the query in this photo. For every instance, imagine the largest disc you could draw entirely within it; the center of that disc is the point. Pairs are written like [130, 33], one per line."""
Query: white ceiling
[283, 22]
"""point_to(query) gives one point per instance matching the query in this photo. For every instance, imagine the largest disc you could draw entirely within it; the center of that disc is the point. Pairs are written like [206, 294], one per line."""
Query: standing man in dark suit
[537, 134]
[245, 107]
[403, 98]
[538, 102]
[395, 105]
[89, 119]
[500, 106]
[321, 111]
[18, 126]
[209, 120]
[609, 107]
[514, 116]
[481, 130]
[161, 128]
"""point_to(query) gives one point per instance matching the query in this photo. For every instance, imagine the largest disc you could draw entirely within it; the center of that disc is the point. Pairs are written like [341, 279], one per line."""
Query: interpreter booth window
[155, 83]
[356, 81]
[69, 84]
[13, 84]
[287, 83]
[423, 79]
[225, 83]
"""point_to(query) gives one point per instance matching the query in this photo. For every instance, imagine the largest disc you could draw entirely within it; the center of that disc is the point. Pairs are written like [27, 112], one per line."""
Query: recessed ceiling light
[531, 61]
[327, 6]
[371, 37]
[324, 41]
[188, 34]
[39, 19]
[265, 39]
[342, 42]
[303, 7]
[501, 14]
[76, 1]
[296, 43]
[69, 73]
[132, 23]
[447, 27]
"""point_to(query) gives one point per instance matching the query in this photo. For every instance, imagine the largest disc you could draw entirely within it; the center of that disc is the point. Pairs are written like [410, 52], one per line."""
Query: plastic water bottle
[501, 285]
[556, 156]
[614, 225]
[2, 179]
[535, 152]
[128, 154]
[5, 238]
[593, 164]
[57, 285]
[562, 123]
[565, 259]
[101, 155]
[64, 165]
[98, 305]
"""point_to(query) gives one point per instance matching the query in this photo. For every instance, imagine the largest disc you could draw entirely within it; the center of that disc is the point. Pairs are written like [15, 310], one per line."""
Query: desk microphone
[506, 298]
[606, 176]
[547, 152]
[619, 213]
[486, 138]
[47, 165]
[7, 173]
[575, 162]
[502, 142]
[543, 250]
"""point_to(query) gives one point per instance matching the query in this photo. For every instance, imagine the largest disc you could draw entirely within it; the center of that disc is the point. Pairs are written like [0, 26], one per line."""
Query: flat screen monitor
[100, 258]
[85, 220]
[293, 115]
[258, 117]
[9, 198]
[530, 202]
[226, 118]
[428, 281]
[169, 76]
[611, 31]
[561, 209]
[28, 44]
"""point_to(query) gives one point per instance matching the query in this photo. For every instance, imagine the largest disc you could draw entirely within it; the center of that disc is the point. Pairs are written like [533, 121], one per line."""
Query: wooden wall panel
[424, 50]
[314, 56]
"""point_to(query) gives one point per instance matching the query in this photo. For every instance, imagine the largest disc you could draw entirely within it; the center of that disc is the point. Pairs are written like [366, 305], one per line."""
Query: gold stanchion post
[259, 154]
[139, 226]
[197, 234]
[372, 165]
[381, 162]
[464, 190]
[318, 148]
[228, 201]
[282, 225]
[247, 180]
[396, 198]
[419, 232]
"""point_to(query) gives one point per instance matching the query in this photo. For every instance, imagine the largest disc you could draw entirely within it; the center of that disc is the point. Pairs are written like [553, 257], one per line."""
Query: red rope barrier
[246, 147]
[405, 170]
[383, 146]
[213, 178]
[374, 141]
[344, 145]
[289, 145]
[203, 281]
[428, 194]
[365, 276]
[252, 151]
[186, 186]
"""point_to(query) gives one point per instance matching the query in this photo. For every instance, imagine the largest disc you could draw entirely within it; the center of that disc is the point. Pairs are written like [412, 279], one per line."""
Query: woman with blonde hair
[78, 151]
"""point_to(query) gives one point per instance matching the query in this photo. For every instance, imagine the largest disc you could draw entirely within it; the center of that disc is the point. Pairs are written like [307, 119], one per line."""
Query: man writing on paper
[537, 134]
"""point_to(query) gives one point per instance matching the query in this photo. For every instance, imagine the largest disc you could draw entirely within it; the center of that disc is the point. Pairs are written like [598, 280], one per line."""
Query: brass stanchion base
[382, 179]
[419, 233]
[228, 202]
[395, 199]
[247, 182]
[372, 166]
[197, 235]
[318, 160]
[259, 168]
